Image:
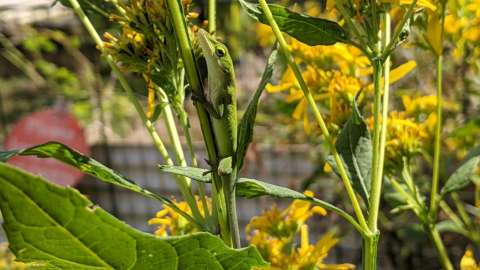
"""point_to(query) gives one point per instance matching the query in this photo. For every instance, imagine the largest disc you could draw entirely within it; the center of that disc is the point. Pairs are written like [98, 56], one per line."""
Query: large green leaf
[61, 229]
[84, 163]
[309, 30]
[461, 177]
[245, 128]
[355, 148]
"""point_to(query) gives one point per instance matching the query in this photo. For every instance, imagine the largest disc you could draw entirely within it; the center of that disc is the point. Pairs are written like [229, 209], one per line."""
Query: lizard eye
[220, 52]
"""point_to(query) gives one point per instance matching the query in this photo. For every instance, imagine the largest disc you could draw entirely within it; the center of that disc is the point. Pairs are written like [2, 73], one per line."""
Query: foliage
[340, 62]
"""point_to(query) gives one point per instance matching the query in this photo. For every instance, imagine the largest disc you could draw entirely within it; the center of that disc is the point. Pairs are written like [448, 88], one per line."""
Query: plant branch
[311, 102]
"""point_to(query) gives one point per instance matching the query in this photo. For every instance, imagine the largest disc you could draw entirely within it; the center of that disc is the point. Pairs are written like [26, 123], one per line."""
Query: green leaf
[355, 148]
[197, 174]
[245, 128]
[84, 163]
[251, 188]
[61, 229]
[309, 30]
[461, 177]
[450, 226]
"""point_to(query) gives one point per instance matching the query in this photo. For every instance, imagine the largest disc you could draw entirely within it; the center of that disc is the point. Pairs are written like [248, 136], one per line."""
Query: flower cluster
[147, 46]
[410, 130]
[462, 26]
[334, 75]
[275, 234]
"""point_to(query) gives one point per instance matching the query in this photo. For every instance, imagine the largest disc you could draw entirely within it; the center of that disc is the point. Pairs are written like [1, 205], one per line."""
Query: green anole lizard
[220, 100]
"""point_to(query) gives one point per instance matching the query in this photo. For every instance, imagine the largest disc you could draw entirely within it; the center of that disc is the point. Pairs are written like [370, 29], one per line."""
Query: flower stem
[311, 102]
[442, 252]
[438, 126]
[178, 150]
[212, 13]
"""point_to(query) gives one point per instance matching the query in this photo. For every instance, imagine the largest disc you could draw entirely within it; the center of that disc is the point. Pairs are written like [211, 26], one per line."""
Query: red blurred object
[41, 127]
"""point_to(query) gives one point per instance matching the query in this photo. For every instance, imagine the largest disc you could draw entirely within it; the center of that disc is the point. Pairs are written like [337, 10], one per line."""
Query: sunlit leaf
[61, 229]
[309, 30]
[84, 163]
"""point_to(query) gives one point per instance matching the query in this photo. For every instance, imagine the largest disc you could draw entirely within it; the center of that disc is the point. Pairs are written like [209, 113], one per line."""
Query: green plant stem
[212, 16]
[438, 126]
[442, 252]
[369, 252]
[437, 142]
[380, 127]
[178, 20]
[130, 95]
[178, 150]
[311, 102]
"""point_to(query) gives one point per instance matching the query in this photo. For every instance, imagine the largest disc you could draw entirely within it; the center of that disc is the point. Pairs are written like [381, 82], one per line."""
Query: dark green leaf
[84, 163]
[61, 229]
[309, 30]
[245, 128]
[197, 174]
[355, 148]
[461, 177]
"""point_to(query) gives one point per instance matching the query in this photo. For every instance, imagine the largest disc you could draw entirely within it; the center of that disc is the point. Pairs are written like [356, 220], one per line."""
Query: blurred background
[50, 71]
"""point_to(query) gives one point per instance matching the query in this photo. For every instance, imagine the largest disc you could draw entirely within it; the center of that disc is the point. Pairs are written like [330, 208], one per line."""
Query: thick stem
[369, 252]
[442, 252]
[380, 127]
[437, 142]
[186, 50]
[311, 102]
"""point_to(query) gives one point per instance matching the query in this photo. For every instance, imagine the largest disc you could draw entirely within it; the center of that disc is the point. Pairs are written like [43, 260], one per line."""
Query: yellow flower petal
[401, 71]
[468, 261]
[319, 211]
[434, 33]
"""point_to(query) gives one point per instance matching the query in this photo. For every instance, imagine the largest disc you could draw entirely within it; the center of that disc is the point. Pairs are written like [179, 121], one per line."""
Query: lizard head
[219, 62]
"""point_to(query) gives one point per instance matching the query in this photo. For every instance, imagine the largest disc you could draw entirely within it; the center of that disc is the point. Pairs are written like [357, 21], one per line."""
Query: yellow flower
[406, 137]
[169, 222]
[280, 249]
[264, 35]
[468, 261]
